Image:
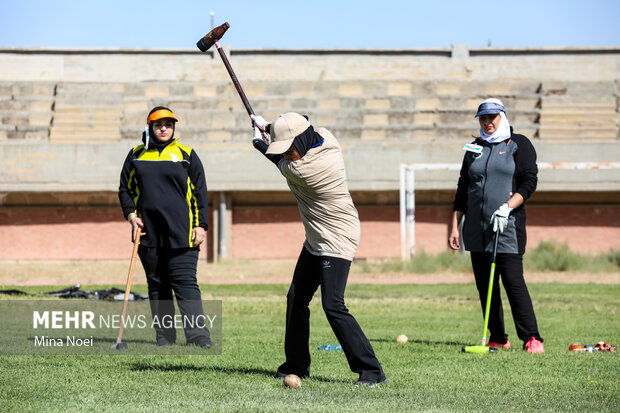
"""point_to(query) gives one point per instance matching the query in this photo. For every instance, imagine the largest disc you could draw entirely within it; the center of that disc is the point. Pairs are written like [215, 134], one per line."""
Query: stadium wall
[69, 117]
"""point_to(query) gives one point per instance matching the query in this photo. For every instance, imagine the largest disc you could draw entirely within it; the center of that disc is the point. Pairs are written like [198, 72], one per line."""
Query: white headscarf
[503, 131]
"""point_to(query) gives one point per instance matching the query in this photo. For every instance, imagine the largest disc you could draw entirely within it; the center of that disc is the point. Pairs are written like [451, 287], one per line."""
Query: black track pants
[169, 270]
[510, 268]
[331, 274]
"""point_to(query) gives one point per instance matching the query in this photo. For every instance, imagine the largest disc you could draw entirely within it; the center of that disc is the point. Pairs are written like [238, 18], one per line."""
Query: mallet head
[213, 36]
[478, 349]
[119, 346]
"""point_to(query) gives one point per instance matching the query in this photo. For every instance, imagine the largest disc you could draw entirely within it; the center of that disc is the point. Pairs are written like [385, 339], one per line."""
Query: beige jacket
[319, 182]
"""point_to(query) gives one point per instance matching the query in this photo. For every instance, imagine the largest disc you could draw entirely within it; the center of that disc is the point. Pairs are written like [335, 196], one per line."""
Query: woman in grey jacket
[312, 163]
[498, 174]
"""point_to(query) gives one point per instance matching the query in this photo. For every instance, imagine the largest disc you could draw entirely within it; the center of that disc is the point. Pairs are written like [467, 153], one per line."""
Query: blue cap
[490, 108]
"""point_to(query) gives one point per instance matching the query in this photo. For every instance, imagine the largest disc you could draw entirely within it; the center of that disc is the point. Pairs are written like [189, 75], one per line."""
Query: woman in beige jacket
[311, 161]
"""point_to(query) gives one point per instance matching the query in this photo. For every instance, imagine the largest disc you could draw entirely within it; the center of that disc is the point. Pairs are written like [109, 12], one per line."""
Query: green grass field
[429, 373]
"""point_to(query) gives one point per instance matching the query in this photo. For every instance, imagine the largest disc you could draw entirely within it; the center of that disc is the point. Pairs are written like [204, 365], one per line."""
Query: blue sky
[310, 24]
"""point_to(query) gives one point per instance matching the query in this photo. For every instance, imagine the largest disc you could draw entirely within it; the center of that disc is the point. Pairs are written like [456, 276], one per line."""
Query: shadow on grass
[414, 341]
[255, 371]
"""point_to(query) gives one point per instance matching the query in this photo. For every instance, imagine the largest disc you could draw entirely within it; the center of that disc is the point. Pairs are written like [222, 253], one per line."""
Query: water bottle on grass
[329, 347]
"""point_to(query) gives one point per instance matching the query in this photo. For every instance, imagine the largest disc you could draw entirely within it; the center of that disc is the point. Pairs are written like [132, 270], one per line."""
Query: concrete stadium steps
[25, 118]
[353, 132]
[343, 118]
[216, 103]
[573, 133]
[85, 92]
[84, 135]
[24, 132]
[86, 124]
[87, 112]
[592, 90]
[579, 111]
[26, 110]
[400, 108]
[360, 109]
[277, 104]
[6, 131]
[34, 104]
[316, 90]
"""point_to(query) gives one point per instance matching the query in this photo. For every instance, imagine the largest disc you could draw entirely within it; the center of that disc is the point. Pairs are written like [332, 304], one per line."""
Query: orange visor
[160, 114]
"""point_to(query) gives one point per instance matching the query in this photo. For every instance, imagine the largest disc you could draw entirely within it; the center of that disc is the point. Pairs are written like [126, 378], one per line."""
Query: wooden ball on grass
[292, 381]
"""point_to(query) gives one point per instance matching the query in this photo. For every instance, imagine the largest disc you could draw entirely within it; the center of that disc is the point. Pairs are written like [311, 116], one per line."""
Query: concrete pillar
[222, 219]
[460, 51]
[215, 228]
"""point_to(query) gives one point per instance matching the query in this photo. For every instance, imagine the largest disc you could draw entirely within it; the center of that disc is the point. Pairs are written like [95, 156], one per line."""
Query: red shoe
[534, 346]
[500, 345]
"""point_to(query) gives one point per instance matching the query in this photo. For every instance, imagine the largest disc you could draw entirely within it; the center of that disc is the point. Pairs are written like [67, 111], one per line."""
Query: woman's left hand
[499, 219]
[199, 235]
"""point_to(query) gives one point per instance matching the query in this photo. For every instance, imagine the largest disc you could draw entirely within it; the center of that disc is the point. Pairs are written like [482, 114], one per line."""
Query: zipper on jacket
[486, 174]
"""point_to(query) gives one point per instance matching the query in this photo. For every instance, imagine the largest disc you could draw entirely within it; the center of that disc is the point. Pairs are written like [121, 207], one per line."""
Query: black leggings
[169, 270]
[331, 274]
[510, 268]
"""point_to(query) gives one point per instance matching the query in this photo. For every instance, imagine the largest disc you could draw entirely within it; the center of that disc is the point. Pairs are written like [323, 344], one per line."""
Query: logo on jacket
[472, 147]
[477, 155]
[327, 264]
[174, 157]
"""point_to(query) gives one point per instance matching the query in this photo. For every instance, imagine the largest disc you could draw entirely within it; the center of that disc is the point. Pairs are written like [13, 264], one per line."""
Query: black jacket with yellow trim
[167, 188]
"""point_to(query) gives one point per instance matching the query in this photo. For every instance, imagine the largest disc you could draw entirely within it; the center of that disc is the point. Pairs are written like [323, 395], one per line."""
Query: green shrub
[391, 265]
[422, 263]
[455, 261]
[556, 256]
[613, 258]
[552, 256]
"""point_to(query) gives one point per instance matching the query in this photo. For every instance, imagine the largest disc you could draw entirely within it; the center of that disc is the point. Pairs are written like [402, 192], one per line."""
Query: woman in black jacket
[163, 193]
[498, 174]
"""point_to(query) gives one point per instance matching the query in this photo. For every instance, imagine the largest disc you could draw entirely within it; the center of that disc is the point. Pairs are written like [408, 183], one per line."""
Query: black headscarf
[306, 140]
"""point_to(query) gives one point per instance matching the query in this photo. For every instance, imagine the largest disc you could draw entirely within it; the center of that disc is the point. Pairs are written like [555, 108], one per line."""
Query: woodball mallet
[212, 38]
[119, 345]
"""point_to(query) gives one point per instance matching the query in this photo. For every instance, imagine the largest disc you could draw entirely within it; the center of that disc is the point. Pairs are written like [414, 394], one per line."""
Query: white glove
[258, 136]
[499, 219]
[259, 121]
